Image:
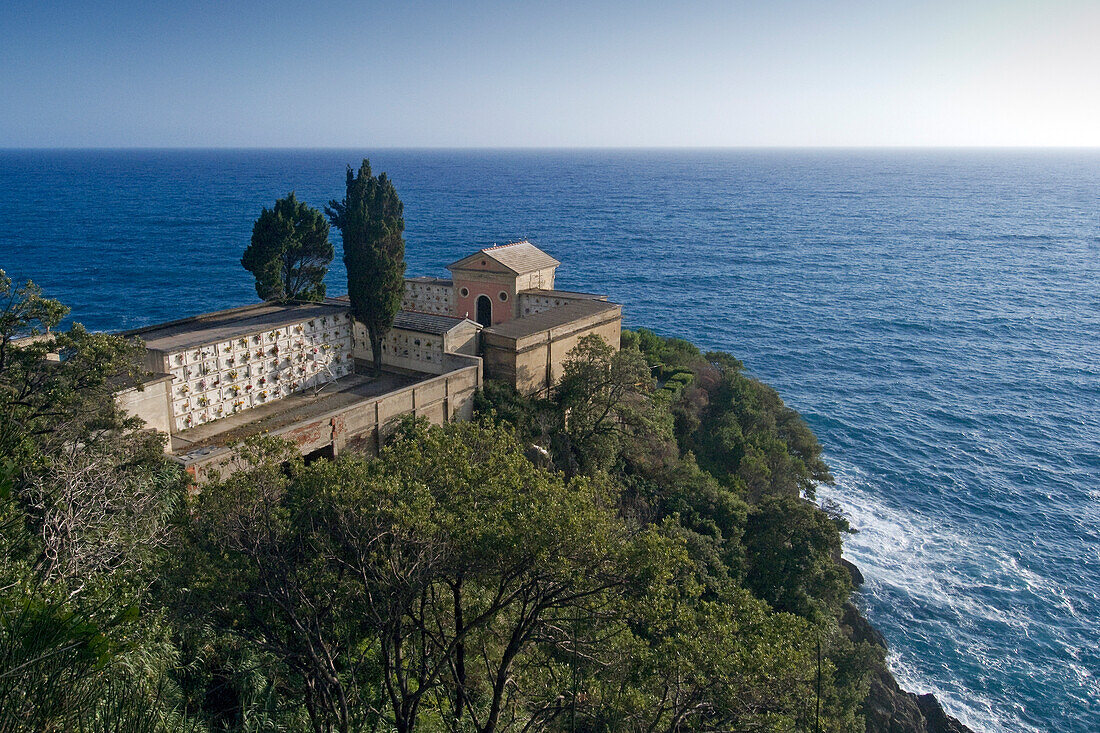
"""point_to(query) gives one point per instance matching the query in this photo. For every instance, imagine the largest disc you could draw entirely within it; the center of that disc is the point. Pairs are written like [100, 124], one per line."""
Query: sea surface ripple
[934, 315]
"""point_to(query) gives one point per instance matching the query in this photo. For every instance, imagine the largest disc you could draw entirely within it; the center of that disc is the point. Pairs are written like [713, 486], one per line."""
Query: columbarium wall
[429, 297]
[222, 378]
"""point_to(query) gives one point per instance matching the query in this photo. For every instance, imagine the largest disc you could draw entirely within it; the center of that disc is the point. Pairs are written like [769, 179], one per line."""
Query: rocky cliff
[888, 708]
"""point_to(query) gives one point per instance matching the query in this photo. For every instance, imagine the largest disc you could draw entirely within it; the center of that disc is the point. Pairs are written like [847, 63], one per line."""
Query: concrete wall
[428, 297]
[152, 403]
[463, 339]
[534, 363]
[537, 280]
[529, 303]
[416, 351]
[413, 350]
[364, 426]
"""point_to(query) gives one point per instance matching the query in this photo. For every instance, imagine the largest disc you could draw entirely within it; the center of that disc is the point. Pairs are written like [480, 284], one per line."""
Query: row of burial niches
[219, 379]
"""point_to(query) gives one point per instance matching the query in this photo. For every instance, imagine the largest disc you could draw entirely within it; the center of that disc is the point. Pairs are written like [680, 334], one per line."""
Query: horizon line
[534, 148]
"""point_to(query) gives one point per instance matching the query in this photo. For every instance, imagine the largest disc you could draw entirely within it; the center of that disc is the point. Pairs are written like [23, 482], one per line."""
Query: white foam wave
[948, 584]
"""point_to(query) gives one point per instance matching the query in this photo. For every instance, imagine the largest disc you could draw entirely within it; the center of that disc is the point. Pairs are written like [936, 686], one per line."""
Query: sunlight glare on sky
[546, 74]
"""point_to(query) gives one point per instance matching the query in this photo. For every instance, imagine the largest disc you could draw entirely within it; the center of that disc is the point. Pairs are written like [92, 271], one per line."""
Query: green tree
[86, 503]
[289, 253]
[258, 569]
[608, 408]
[514, 552]
[84, 530]
[741, 432]
[56, 386]
[424, 588]
[371, 222]
[792, 549]
[707, 666]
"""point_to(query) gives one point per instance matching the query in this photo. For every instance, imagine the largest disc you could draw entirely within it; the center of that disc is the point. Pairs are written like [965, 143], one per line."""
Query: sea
[934, 315]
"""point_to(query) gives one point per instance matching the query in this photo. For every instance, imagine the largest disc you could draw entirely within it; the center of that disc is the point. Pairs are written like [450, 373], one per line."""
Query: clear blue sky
[487, 74]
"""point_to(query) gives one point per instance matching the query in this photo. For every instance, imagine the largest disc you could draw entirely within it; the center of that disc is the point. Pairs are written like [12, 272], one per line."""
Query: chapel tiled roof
[519, 257]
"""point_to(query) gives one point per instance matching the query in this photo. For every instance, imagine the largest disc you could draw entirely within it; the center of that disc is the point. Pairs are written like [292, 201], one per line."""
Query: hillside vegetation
[640, 552]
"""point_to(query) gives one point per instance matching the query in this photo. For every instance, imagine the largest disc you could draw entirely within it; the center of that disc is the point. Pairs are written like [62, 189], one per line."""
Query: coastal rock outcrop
[888, 708]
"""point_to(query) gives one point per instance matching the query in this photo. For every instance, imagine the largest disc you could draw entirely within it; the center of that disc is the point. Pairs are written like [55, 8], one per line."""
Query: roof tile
[519, 257]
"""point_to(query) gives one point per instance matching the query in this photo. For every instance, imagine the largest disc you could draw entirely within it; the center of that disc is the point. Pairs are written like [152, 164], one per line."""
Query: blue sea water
[935, 316]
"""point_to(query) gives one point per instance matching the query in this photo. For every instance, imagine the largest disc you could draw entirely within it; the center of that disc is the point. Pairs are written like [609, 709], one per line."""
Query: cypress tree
[372, 225]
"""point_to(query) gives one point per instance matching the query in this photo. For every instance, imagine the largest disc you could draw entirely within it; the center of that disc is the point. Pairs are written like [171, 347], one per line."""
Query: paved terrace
[229, 324]
[552, 318]
[290, 410]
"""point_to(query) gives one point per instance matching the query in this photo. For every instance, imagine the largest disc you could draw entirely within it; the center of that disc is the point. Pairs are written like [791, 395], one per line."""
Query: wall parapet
[364, 425]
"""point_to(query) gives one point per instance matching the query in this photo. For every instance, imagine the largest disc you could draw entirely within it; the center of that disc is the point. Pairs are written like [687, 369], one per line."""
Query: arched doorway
[484, 310]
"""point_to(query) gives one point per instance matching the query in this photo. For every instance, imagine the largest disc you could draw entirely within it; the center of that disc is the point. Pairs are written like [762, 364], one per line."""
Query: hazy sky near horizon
[518, 74]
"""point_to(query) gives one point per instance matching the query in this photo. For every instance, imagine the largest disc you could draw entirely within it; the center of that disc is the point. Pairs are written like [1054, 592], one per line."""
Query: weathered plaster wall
[364, 426]
[432, 296]
[534, 363]
[151, 403]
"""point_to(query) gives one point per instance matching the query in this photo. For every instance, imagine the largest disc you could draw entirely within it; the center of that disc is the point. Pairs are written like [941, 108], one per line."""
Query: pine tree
[372, 225]
[289, 253]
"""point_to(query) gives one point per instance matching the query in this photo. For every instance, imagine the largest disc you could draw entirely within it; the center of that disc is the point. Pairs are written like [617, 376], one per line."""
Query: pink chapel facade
[502, 289]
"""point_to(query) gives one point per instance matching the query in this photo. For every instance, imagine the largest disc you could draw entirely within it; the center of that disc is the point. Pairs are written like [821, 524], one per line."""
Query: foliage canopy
[371, 222]
[636, 553]
[289, 253]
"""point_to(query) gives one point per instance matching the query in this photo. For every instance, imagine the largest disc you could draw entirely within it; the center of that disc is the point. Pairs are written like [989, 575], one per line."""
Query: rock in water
[888, 708]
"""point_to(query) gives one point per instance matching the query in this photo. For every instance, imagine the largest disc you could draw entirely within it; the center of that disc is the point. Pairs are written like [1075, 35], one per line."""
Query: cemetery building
[303, 370]
[527, 326]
